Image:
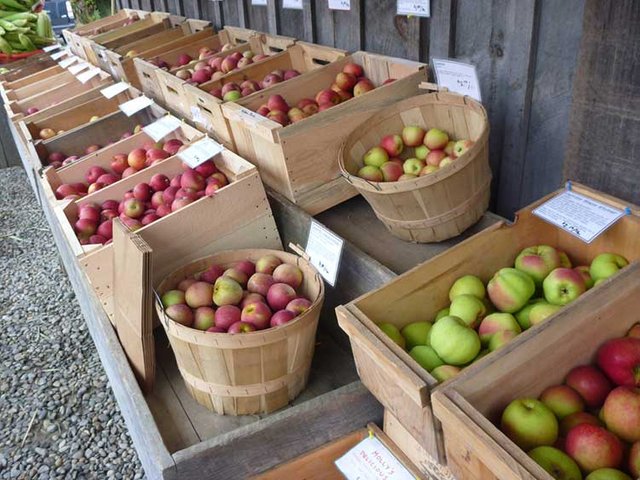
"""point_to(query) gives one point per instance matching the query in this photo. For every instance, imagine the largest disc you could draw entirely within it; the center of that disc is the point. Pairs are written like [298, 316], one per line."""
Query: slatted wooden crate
[20, 73]
[471, 405]
[301, 160]
[395, 379]
[57, 77]
[302, 56]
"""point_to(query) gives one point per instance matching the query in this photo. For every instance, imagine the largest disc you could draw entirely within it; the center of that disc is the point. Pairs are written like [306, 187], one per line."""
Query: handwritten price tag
[325, 250]
[200, 152]
[259, 2]
[115, 89]
[77, 68]
[249, 116]
[370, 460]
[339, 4]
[84, 77]
[162, 127]
[133, 106]
[292, 4]
[51, 48]
[418, 8]
[60, 54]
[67, 62]
[458, 77]
[581, 216]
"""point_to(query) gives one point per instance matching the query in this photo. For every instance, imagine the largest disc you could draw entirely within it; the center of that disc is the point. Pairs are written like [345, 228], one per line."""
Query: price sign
[325, 250]
[458, 77]
[418, 8]
[370, 460]
[199, 118]
[339, 4]
[249, 116]
[78, 67]
[84, 77]
[67, 62]
[162, 127]
[259, 2]
[60, 54]
[200, 152]
[51, 48]
[292, 4]
[133, 106]
[581, 216]
[113, 90]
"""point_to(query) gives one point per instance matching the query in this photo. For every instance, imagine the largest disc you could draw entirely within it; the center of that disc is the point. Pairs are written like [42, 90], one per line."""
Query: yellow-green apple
[562, 400]
[279, 295]
[267, 264]
[634, 332]
[226, 291]
[586, 276]
[436, 139]
[308, 106]
[181, 314]
[238, 275]
[204, 318]
[46, 133]
[241, 327]
[172, 297]
[199, 294]
[557, 463]
[577, 418]
[281, 317]
[510, 289]
[565, 262]
[605, 265]
[257, 314]
[227, 315]
[434, 157]
[371, 173]
[346, 81]
[416, 333]
[421, 152]
[289, 274]
[562, 286]
[412, 135]
[469, 309]
[592, 385]
[133, 208]
[594, 447]
[445, 372]
[441, 314]
[426, 357]
[375, 157]
[427, 170]
[449, 149]
[538, 262]
[299, 305]
[619, 359]
[391, 171]
[621, 413]
[363, 86]
[497, 322]
[529, 423]
[232, 96]
[522, 315]
[461, 147]
[607, 474]
[295, 115]
[454, 342]
[412, 166]
[393, 333]
[407, 176]
[445, 161]
[392, 144]
[634, 460]
[541, 311]
[467, 285]
[500, 339]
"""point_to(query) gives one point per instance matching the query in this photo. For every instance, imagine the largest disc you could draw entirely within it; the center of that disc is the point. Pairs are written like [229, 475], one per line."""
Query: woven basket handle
[432, 87]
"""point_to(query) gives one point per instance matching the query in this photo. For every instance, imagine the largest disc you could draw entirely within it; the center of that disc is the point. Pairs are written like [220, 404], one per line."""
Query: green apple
[393, 333]
[522, 316]
[541, 311]
[454, 341]
[586, 276]
[607, 474]
[500, 339]
[421, 152]
[416, 333]
[510, 289]
[441, 314]
[412, 166]
[562, 400]
[467, 285]
[497, 322]
[565, 261]
[469, 308]
[562, 286]
[426, 357]
[538, 262]
[529, 423]
[444, 372]
[375, 157]
[557, 463]
[605, 265]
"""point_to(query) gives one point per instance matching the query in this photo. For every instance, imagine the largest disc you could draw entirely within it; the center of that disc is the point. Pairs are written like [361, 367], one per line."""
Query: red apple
[133, 208]
[353, 69]
[256, 313]
[281, 317]
[193, 180]
[93, 173]
[260, 283]
[393, 144]
[241, 327]
[577, 418]
[362, 87]
[299, 305]
[159, 182]
[621, 413]
[107, 178]
[142, 192]
[593, 447]
[279, 295]
[391, 171]
[137, 158]
[590, 383]
[277, 102]
[328, 97]
[119, 163]
[619, 359]
[346, 81]
[180, 313]
[129, 171]
[172, 146]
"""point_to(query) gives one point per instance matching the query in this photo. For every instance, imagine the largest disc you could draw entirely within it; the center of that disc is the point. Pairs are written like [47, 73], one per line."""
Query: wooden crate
[301, 160]
[57, 77]
[302, 56]
[471, 404]
[20, 72]
[172, 87]
[397, 381]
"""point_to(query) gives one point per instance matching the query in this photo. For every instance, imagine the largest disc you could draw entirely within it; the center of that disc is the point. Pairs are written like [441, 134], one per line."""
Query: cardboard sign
[51, 48]
[370, 460]
[60, 54]
[115, 89]
[200, 152]
[162, 127]
[324, 249]
[78, 67]
[458, 77]
[84, 77]
[417, 8]
[339, 4]
[67, 62]
[134, 106]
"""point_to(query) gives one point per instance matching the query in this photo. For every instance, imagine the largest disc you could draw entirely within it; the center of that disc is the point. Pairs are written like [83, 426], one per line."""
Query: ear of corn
[21, 30]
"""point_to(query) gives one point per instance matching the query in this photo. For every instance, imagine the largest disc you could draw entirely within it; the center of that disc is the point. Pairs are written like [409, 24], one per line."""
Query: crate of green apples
[446, 315]
[563, 404]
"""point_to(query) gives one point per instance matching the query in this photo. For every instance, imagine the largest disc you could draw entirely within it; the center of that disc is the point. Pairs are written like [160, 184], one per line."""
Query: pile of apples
[349, 83]
[240, 298]
[433, 150]
[148, 202]
[232, 91]
[589, 424]
[47, 133]
[542, 281]
[122, 166]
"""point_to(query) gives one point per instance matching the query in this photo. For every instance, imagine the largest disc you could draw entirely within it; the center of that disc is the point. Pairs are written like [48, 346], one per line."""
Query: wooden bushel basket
[249, 373]
[439, 205]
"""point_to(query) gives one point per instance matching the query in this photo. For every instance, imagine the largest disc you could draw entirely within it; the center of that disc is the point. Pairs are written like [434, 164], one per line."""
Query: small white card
[249, 116]
[339, 4]
[259, 2]
[162, 127]
[68, 61]
[325, 250]
[371, 460]
[199, 118]
[51, 48]
[115, 89]
[200, 152]
[134, 106]
[581, 216]
[60, 54]
[458, 77]
[84, 77]
[292, 4]
[418, 8]
[77, 68]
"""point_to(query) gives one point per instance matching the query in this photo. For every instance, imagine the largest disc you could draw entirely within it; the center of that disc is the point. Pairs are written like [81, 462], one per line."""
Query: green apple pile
[482, 319]
[590, 424]
[392, 160]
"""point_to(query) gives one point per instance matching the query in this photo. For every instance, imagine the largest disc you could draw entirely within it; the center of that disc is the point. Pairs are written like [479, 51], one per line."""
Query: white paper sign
[458, 77]
[371, 460]
[84, 77]
[51, 48]
[200, 152]
[199, 118]
[78, 67]
[249, 116]
[418, 8]
[339, 4]
[162, 127]
[68, 61]
[135, 105]
[325, 250]
[113, 90]
[259, 2]
[581, 216]
[60, 54]
[292, 4]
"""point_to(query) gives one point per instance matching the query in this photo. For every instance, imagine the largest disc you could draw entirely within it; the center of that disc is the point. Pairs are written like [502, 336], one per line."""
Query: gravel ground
[58, 417]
